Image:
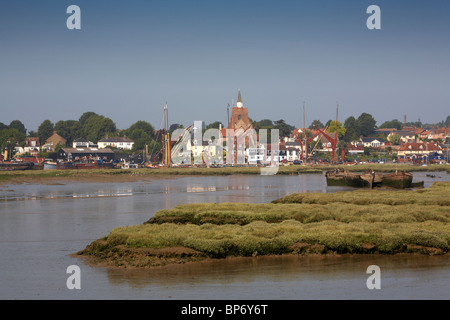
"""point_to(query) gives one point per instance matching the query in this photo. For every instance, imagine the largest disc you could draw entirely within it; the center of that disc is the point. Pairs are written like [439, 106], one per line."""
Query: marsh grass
[350, 222]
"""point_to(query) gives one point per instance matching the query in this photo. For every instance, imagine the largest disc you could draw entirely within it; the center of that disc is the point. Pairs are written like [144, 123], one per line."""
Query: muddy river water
[41, 224]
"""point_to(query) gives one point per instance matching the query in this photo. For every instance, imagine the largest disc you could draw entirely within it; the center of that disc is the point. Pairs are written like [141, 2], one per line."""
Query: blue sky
[130, 57]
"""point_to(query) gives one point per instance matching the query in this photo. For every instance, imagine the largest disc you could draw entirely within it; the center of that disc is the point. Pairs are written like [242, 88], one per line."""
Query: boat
[64, 165]
[340, 177]
[50, 165]
[16, 165]
[397, 180]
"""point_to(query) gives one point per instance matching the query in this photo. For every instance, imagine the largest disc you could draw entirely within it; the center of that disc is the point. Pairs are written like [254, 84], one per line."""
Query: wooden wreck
[341, 177]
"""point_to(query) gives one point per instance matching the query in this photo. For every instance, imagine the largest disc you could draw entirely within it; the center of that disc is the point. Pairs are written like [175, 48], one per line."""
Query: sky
[131, 57]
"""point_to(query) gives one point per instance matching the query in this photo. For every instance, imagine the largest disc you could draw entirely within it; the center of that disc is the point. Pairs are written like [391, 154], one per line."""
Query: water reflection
[41, 224]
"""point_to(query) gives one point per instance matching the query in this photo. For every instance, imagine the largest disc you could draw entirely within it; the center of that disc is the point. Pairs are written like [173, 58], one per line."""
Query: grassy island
[358, 222]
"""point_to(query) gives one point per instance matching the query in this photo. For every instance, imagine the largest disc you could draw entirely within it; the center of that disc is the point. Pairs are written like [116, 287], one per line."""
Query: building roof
[80, 140]
[116, 139]
[403, 133]
[419, 146]
[369, 139]
[87, 150]
[239, 96]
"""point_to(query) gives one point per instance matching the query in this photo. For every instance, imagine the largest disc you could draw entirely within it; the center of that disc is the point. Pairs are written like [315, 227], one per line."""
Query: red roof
[419, 146]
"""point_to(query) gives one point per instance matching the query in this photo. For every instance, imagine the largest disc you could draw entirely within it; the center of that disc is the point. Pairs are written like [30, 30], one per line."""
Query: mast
[166, 143]
[304, 132]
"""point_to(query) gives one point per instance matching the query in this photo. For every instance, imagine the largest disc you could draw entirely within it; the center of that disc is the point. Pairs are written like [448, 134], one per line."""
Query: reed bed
[350, 222]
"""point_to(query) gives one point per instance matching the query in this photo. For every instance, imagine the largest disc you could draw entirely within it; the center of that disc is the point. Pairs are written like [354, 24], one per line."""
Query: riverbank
[356, 222]
[118, 175]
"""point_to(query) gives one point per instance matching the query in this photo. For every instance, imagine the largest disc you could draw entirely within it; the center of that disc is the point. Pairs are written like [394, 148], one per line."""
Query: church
[239, 116]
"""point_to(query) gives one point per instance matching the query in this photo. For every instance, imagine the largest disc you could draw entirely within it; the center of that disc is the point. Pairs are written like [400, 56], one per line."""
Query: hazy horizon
[130, 58]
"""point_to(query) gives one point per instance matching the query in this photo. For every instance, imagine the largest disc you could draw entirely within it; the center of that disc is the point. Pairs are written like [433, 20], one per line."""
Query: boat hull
[12, 166]
[370, 180]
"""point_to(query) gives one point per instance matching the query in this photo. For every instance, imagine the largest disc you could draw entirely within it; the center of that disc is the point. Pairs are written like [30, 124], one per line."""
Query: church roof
[239, 96]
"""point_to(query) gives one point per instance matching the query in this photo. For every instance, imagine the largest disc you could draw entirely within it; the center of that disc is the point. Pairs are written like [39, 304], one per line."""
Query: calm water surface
[41, 224]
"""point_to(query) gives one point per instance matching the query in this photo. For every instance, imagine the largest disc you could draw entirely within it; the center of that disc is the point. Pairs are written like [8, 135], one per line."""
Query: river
[41, 224]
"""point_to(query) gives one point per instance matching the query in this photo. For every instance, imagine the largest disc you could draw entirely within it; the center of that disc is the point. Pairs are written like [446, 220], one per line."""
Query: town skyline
[129, 59]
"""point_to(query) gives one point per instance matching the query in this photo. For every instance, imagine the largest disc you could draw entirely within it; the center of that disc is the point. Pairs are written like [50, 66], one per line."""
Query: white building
[116, 142]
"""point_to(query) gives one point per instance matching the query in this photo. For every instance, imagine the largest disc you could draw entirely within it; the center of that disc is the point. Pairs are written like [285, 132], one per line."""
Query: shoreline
[118, 175]
[356, 222]
[163, 264]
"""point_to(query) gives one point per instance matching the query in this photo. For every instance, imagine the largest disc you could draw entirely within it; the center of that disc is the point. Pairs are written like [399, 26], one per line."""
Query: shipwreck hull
[11, 166]
[346, 179]
[369, 180]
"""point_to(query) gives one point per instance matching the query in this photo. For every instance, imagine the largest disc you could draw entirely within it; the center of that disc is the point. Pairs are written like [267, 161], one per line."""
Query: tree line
[93, 127]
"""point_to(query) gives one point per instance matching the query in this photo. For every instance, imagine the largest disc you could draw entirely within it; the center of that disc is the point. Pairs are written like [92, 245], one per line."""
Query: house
[369, 142]
[123, 143]
[83, 143]
[74, 154]
[31, 146]
[54, 140]
[405, 136]
[417, 150]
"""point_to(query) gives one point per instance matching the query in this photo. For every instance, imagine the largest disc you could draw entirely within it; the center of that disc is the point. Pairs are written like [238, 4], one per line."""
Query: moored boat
[16, 165]
[340, 177]
[50, 165]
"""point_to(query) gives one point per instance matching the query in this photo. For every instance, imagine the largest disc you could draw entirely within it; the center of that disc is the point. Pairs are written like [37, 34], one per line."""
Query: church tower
[239, 116]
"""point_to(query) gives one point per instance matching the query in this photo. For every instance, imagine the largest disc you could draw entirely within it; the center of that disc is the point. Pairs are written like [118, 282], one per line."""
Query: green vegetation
[355, 222]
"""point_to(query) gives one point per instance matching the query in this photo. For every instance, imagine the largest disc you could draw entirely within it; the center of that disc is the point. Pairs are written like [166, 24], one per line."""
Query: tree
[9, 138]
[316, 123]
[69, 130]
[45, 130]
[284, 128]
[392, 124]
[3, 126]
[366, 124]
[86, 116]
[447, 121]
[336, 127]
[140, 138]
[352, 129]
[395, 139]
[96, 127]
[17, 124]
[142, 125]
[175, 126]
[214, 125]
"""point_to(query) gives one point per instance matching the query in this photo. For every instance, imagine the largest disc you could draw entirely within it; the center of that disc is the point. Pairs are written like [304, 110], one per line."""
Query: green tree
[316, 123]
[447, 121]
[3, 126]
[392, 124]
[336, 127]
[45, 130]
[284, 128]
[214, 125]
[366, 124]
[69, 130]
[96, 127]
[351, 129]
[142, 125]
[9, 138]
[140, 138]
[175, 126]
[395, 139]
[86, 116]
[17, 124]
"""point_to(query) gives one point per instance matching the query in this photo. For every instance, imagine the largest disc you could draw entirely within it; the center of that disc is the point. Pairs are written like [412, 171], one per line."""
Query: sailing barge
[16, 165]
[341, 177]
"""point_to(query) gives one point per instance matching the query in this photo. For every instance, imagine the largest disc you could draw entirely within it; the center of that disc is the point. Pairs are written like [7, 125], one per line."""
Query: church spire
[239, 103]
